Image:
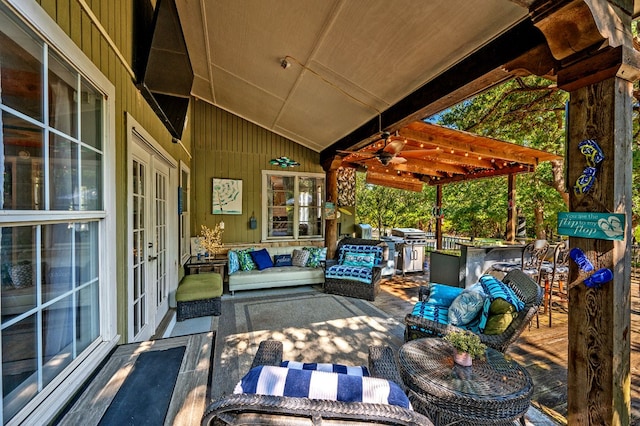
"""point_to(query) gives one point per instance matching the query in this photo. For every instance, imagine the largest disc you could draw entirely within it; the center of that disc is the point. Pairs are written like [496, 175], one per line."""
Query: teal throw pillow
[246, 262]
[359, 259]
[316, 254]
[443, 295]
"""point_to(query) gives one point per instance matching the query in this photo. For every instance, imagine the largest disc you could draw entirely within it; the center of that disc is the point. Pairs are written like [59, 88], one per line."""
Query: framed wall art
[226, 197]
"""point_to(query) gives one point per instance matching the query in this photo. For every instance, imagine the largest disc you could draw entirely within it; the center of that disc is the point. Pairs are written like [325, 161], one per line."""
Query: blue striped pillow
[494, 288]
[359, 370]
[281, 381]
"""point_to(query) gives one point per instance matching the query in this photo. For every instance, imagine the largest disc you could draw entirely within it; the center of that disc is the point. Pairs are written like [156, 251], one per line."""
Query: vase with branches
[211, 239]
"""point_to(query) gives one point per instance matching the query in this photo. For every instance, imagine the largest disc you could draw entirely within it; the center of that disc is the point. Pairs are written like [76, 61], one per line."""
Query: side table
[205, 264]
[493, 391]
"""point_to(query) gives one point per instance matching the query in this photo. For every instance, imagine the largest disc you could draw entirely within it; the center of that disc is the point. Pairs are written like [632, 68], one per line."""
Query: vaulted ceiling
[346, 61]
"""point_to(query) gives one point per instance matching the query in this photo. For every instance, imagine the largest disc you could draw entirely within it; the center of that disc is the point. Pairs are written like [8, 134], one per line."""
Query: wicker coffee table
[494, 391]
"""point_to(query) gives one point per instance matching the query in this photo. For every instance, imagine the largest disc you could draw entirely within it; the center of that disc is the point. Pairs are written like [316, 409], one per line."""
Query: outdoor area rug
[144, 397]
[313, 326]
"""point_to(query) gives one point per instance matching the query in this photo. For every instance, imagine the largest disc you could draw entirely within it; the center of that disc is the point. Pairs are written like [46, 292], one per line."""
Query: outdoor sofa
[271, 273]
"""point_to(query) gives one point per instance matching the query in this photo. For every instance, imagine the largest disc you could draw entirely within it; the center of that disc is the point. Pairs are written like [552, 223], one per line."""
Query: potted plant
[466, 345]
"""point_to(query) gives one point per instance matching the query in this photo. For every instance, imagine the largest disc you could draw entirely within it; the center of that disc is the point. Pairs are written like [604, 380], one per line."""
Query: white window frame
[63, 387]
[265, 209]
[184, 225]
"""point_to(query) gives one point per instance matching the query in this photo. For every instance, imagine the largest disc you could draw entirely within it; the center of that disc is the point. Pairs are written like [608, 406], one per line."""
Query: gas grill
[410, 248]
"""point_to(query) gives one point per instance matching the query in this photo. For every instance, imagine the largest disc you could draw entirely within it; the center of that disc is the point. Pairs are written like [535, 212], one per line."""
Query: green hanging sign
[601, 226]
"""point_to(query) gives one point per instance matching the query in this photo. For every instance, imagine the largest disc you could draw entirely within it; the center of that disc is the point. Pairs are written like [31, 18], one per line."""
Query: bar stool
[558, 272]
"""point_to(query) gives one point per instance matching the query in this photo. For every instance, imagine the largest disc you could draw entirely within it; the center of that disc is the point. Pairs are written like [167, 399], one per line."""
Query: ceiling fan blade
[398, 160]
[394, 146]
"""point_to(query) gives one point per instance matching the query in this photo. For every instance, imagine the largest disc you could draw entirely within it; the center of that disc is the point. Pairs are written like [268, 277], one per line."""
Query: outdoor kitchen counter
[477, 259]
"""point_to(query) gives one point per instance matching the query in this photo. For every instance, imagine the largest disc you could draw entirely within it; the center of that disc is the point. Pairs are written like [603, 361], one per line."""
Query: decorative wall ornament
[226, 196]
[346, 187]
[284, 162]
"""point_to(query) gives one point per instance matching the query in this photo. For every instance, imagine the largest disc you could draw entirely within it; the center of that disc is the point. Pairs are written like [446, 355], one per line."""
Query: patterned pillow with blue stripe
[316, 254]
[360, 249]
[281, 381]
[494, 288]
[359, 370]
[354, 273]
[234, 263]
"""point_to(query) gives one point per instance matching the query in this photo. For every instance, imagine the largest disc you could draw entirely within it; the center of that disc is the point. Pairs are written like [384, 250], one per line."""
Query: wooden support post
[511, 212]
[439, 217]
[331, 224]
[599, 318]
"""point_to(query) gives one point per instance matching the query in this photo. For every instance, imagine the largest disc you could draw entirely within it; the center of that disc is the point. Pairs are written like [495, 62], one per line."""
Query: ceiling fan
[385, 155]
[390, 153]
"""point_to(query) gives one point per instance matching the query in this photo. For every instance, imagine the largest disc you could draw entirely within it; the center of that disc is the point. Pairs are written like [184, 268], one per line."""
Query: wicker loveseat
[246, 408]
[356, 278]
[526, 289]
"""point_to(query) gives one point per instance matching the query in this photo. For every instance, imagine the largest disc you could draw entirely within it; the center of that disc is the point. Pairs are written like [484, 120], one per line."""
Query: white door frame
[142, 147]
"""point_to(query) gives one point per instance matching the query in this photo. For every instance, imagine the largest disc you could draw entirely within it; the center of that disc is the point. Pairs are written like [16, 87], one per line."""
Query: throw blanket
[281, 381]
[360, 370]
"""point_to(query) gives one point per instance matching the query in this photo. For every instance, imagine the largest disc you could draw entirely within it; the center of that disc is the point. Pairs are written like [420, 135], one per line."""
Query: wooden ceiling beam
[521, 168]
[409, 184]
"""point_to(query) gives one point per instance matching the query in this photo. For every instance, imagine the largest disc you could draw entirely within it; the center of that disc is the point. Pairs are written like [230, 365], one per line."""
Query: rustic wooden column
[439, 217]
[600, 86]
[331, 224]
[511, 209]
[598, 378]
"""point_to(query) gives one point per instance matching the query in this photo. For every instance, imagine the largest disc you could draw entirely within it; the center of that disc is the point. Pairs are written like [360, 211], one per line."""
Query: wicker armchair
[527, 290]
[261, 409]
[350, 287]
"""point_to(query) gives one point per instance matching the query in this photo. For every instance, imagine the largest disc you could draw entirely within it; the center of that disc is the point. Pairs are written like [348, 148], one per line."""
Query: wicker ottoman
[199, 295]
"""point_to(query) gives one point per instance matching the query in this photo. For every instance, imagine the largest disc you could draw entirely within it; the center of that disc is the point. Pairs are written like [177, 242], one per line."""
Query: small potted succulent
[467, 346]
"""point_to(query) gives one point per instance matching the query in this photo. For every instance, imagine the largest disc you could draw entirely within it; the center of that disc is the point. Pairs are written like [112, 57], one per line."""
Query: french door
[150, 255]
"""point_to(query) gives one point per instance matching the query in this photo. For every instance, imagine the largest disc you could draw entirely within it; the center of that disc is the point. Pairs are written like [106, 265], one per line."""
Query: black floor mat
[144, 397]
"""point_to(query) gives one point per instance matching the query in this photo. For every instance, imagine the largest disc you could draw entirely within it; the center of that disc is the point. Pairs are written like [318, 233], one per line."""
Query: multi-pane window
[183, 210]
[293, 205]
[51, 151]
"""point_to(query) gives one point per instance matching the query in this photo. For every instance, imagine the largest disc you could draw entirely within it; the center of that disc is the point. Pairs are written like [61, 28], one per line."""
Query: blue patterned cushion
[282, 260]
[431, 312]
[494, 288]
[357, 248]
[262, 259]
[442, 294]
[359, 370]
[281, 381]
[316, 254]
[234, 263]
[466, 307]
[353, 273]
[245, 260]
[359, 259]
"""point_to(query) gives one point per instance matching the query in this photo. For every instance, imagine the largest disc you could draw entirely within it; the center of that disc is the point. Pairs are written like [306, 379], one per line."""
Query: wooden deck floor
[543, 350]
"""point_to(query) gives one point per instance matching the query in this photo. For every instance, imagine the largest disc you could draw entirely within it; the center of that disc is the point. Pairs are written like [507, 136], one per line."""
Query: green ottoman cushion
[199, 286]
[199, 295]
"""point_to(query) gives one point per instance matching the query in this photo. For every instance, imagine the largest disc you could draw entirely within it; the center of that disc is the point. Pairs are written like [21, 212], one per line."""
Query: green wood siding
[227, 146]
